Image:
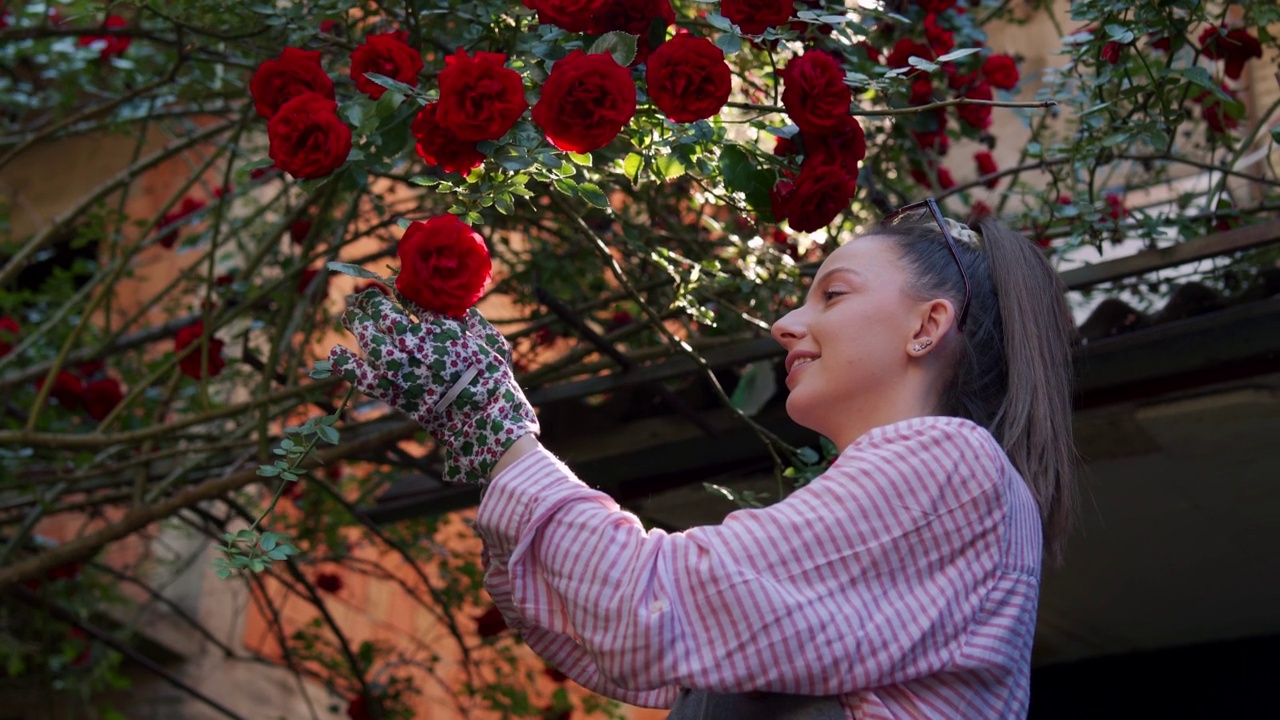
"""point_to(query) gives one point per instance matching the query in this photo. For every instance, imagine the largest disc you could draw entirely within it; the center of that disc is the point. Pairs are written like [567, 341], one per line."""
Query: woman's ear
[936, 318]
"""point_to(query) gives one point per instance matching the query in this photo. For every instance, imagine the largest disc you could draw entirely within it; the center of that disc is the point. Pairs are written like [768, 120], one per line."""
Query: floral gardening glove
[452, 376]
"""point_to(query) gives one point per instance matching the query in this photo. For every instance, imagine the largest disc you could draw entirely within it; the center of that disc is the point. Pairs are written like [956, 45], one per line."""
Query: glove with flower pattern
[452, 376]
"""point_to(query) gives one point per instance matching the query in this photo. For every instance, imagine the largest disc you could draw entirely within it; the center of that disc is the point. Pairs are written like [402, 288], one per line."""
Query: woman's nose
[788, 328]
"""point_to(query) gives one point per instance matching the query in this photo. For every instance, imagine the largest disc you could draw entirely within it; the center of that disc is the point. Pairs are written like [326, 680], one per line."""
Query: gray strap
[702, 705]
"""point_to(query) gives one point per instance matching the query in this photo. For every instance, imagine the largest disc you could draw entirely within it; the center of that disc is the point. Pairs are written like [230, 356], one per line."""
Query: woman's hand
[452, 376]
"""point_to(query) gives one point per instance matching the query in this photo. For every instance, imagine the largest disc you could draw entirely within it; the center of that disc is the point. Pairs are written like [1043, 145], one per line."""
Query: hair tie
[963, 233]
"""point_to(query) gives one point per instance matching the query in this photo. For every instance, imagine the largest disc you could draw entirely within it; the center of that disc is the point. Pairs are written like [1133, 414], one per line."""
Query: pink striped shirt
[904, 579]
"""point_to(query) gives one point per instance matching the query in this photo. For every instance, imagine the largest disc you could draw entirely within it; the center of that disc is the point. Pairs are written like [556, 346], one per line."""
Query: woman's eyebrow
[839, 269]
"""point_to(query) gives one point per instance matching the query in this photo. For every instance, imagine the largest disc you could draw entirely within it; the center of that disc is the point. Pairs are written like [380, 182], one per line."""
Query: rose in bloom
[688, 78]
[307, 138]
[9, 329]
[67, 389]
[438, 146]
[299, 230]
[191, 364]
[821, 193]
[842, 150]
[780, 199]
[921, 90]
[586, 101]
[1236, 47]
[634, 17]
[1115, 206]
[1000, 71]
[905, 49]
[785, 147]
[1111, 52]
[295, 72]
[479, 98]
[170, 221]
[940, 39]
[979, 116]
[101, 397]
[815, 95]
[753, 17]
[386, 54]
[111, 45]
[329, 582]
[490, 623]
[1214, 111]
[926, 179]
[1163, 44]
[571, 15]
[987, 166]
[444, 265]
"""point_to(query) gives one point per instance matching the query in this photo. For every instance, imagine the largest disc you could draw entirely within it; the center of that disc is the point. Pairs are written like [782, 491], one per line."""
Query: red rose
[753, 17]
[619, 320]
[67, 389]
[938, 179]
[296, 72]
[1001, 71]
[571, 15]
[101, 397]
[785, 147]
[1115, 206]
[905, 49]
[1163, 44]
[821, 193]
[978, 116]
[814, 93]
[479, 98]
[9, 329]
[987, 166]
[843, 150]
[979, 211]
[780, 197]
[586, 101]
[921, 90]
[1236, 47]
[490, 623]
[358, 709]
[935, 6]
[437, 146]
[1214, 111]
[111, 45]
[688, 78]
[939, 38]
[329, 582]
[388, 55]
[190, 365]
[299, 231]
[172, 220]
[634, 17]
[1111, 52]
[444, 265]
[307, 276]
[308, 140]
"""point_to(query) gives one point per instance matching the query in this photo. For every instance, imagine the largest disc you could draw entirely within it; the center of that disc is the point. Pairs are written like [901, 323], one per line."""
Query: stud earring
[922, 345]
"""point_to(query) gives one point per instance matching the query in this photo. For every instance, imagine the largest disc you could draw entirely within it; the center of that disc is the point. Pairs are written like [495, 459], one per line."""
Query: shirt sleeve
[870, 574]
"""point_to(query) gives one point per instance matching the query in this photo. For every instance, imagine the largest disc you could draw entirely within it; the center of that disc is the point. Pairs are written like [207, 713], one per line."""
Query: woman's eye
[829, 295]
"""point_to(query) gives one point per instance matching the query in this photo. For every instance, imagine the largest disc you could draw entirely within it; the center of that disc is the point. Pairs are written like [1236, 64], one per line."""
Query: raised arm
[871, 574]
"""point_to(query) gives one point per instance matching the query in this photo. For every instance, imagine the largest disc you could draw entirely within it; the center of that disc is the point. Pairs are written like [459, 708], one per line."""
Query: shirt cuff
[522, 496]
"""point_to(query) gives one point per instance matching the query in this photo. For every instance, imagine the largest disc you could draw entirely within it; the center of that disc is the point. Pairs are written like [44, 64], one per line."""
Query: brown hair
[1013, 366]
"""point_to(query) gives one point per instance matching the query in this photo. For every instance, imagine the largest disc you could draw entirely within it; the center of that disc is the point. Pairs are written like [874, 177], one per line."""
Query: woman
[901, 583]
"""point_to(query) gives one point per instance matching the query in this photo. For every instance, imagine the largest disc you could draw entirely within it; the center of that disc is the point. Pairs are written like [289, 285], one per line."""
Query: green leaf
[957, 54]
[622, 46]
[268, 541]
[268, 471]
[669, 166]
[327, 434]
[736, 168]
[631, 166]
[223, 573]
[807, 455]
[919, 62]
[729, 43]
[391, 84]
[566, 186]
[353, 270]
[592, 194]
[583, 159]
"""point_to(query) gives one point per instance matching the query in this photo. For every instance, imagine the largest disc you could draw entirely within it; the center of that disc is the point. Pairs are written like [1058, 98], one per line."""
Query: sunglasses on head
[941, 220]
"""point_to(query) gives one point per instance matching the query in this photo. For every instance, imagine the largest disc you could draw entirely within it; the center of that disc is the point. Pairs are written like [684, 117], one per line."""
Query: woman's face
[847, 346]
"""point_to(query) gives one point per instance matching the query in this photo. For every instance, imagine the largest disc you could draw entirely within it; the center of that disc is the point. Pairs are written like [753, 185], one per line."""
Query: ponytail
[1033, 421]
[1012, 367]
